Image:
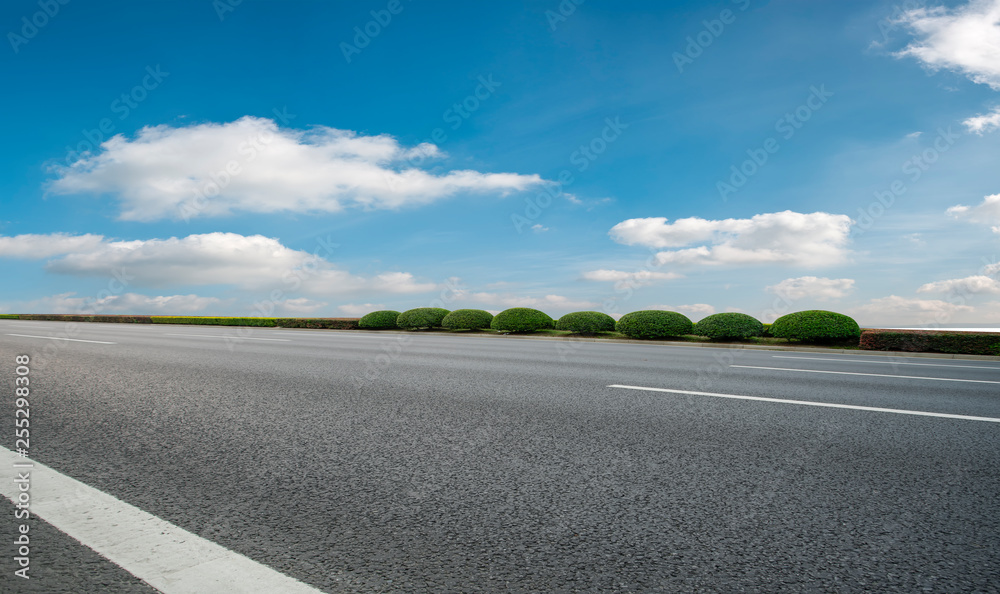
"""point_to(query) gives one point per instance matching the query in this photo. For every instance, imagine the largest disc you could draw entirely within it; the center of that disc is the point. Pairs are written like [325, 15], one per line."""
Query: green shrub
[467, 319]
[379, 320]
[586, 322]
[208, 320]
[86, 318]
[816, 326]
[728, 326]
[766, 331]
[929, 341]
[422, 317]
[319, 323]
[521, 319]
[8, 316]
[654, 323]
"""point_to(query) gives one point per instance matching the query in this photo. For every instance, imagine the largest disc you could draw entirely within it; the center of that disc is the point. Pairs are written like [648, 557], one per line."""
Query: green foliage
[319, 323]
[421, 317]
[926, 341]
[521, 319]
[8, 316]
[379, 320]
[467, 319]
[213, 321]
[816, 326]
[729, 326]
[767, 331]
[83, 318]
[654, 323]
[586, 322]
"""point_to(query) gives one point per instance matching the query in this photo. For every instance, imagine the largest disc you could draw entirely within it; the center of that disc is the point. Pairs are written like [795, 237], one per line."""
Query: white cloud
[694, 310]
[970, 285]
[790, 238]
[127, 303]
[249, 262]
[300, 306]
[539, 228]
[821, 289]
[984, 123]
[358, 310]
[913, 135]
[987, 212]
[32, 246]
[251, 165]
[507, 300]
[895, 310]
[965, 39]
[636, 278]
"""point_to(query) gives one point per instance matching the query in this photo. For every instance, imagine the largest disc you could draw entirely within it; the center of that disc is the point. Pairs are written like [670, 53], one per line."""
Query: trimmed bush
[467, 319]
[654, 323]
[8, 316]
[212, 321]
[521, 319]
[379, 320]
[931, 341]
[729, 326]
[816, 326]
[586, 322]
[767, 331]
[422, 317]
[83, 318]
[319, 323]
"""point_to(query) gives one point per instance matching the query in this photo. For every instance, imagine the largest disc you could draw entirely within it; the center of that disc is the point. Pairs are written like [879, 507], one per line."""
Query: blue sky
[330, 159]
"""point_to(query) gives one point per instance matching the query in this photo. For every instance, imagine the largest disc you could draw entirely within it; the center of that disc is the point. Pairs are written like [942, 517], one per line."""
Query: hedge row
[930, 341]
[8, 316]
[82, 318]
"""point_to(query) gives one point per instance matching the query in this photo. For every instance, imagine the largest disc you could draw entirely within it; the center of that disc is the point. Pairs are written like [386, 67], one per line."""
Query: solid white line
[60, 338]
[886, 362]
[231, 337]
[917, 377]
[168, 558]
[823, 404]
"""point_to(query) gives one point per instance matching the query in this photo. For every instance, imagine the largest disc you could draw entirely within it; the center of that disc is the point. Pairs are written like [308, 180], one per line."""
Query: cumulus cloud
[965, 39]
[987, 212]
[251, 165]
[250, 262]
[895, 310]
[127, 303]
[301, 306]
[634, 279]
[35, 247]
[788, 238]
[359, 309]
[821, 289]
[694, 310]
[970, 285]
[983, 123]
[506, 300]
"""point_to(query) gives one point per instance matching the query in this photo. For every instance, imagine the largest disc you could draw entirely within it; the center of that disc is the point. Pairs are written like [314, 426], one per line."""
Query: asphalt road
[385, 462]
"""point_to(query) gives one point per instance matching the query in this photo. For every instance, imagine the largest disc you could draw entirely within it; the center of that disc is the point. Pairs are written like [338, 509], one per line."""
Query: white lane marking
[61, 338]
[886, 362]
[231, 337]
[917, 377]
[823, 404]
[168, 558]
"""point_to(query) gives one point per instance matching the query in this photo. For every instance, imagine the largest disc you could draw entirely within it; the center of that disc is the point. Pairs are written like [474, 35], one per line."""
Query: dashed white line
[996, 368]
[821, 404]
[916, 377]
[230, 337]
[61, 338]
[168, 558]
